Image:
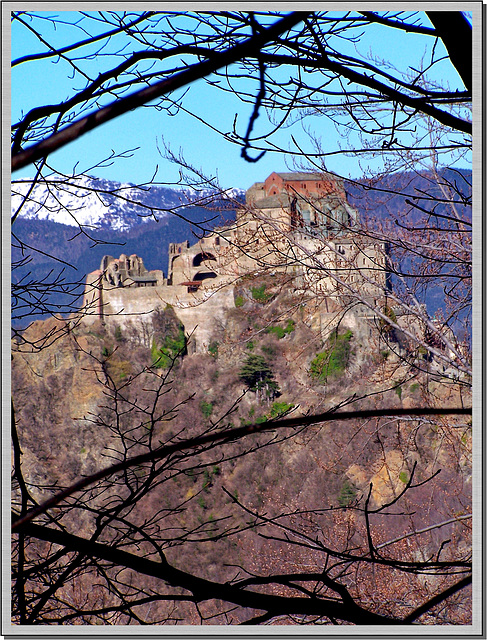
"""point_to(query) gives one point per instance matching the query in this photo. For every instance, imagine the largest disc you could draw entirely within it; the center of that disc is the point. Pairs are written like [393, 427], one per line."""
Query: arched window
[200, 257]
[296, 217]
[204, 275]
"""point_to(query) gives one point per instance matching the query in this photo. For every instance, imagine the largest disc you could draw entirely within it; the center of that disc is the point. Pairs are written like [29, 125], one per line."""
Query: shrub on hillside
[206, 408]
[213, 349]
[280, 409]
[279, 331]
[332, 362]
[259, 377]
[169, 339]
[259, 294]
[348, 494]
[164, 353]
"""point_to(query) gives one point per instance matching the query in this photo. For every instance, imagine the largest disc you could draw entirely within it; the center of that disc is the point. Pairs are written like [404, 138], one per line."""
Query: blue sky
[45, 82]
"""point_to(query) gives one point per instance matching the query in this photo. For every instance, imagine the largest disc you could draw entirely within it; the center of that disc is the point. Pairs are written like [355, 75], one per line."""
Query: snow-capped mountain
[103, 204]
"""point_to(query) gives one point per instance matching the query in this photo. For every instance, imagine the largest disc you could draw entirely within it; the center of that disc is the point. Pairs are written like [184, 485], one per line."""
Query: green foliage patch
[163, 355]
[348, 494]
[277, 330]
[332, 362]
[213, 349]
[206, 408]
[258, 376]
[289, 328]
[239, 301]
[279, 409]
[280, 332]
[259, 294]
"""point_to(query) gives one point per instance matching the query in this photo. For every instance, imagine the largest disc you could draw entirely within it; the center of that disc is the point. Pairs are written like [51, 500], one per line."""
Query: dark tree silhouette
[131, 540]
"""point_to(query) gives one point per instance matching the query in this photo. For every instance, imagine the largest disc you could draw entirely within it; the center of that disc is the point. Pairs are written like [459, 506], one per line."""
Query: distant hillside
[402, 199]
[400, 193]
[104, 204]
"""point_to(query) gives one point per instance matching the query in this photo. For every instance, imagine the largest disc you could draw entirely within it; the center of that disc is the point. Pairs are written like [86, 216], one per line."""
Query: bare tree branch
[123, 105]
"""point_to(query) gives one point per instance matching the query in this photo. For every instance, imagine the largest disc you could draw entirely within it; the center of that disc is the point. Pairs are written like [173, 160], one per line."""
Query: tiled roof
[300, 176]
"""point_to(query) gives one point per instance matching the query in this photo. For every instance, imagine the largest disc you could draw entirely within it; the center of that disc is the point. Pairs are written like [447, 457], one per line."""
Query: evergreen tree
[257, 374]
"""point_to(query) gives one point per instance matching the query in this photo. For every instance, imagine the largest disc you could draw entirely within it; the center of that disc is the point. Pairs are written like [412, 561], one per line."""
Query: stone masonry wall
[200, 313]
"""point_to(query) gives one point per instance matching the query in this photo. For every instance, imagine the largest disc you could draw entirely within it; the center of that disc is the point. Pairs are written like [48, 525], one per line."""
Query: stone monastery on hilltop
[295, 223]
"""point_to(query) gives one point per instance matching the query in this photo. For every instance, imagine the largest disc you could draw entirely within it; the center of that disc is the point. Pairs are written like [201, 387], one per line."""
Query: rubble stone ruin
[284, 220]
[126, 271]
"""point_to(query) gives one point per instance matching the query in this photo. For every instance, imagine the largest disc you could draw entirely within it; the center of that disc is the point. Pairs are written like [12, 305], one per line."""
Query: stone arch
[203, 256]
[204, 275]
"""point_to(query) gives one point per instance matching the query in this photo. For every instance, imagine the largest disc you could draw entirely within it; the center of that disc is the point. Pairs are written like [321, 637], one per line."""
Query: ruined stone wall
[92, 305]
[266, 235]
[200, 312]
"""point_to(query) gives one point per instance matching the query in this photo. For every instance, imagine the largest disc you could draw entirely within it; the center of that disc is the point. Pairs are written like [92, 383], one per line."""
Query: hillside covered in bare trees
[279, 427]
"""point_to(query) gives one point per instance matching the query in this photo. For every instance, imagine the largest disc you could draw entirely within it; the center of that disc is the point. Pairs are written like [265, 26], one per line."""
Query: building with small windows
[296, 222]
[299, 223]
[304, 201]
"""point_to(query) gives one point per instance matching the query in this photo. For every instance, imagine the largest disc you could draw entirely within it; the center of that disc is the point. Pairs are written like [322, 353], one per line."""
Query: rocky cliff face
[78, 399]
[59, 387]
[55, 389]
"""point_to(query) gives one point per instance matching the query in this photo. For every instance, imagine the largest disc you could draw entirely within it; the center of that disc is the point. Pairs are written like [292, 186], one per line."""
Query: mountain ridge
[105, 204]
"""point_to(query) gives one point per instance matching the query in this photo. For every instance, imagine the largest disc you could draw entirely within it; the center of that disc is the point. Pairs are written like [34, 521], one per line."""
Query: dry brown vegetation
[246, 509]
[152, 485]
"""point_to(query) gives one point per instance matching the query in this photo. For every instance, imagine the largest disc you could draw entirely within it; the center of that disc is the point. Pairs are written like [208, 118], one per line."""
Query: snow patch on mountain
[100, 204]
